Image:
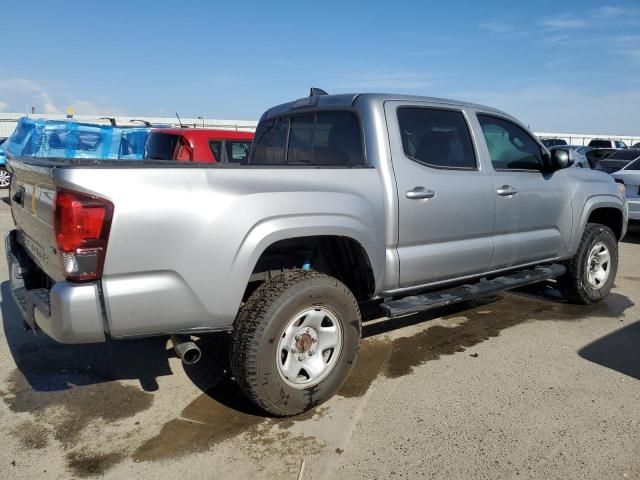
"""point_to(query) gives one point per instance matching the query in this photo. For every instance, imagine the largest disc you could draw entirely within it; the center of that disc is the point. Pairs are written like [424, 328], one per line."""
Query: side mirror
[559, 159]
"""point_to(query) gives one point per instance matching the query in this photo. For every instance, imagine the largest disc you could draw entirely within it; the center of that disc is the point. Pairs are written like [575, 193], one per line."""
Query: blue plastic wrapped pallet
[67, 139]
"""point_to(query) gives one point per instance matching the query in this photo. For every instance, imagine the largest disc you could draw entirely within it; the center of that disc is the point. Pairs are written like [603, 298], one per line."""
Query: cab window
[510, 146]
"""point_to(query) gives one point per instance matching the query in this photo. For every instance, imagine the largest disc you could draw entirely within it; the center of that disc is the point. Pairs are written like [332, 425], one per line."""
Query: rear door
[533, 208]
[445, 195]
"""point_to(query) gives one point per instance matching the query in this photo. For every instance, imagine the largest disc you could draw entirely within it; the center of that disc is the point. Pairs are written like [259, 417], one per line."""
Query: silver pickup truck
[406, 203]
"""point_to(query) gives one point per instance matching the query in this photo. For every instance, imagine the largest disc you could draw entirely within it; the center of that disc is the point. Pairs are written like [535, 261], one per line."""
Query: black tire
[261, 324]
[574, 284]
[5, 178]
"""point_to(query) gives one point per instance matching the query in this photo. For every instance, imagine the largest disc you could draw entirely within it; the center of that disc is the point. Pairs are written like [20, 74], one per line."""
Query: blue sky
[570, 66]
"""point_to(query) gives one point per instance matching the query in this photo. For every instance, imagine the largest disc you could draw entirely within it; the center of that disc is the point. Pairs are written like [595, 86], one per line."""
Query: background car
[553, 142]
[604, 143]
[198, 145]
[597, 154]
[5, 176]
[636, 145]
[618, 160]
[577, 154]
[629, 176]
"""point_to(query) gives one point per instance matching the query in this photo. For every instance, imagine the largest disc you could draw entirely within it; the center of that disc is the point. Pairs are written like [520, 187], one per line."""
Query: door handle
[506, 191]
[420, 192]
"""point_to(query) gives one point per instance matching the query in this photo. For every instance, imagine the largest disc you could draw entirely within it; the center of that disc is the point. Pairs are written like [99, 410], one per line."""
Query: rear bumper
[68, 312]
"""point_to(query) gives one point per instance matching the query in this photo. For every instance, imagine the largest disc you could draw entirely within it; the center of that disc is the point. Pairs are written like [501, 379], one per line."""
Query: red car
[198, 145]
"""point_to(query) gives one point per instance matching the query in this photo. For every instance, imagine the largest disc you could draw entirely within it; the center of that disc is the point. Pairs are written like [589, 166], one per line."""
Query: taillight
[184, 152]
[81, 228]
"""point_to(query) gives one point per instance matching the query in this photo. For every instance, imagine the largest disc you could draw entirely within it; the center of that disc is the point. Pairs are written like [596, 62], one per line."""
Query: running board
[427, 301]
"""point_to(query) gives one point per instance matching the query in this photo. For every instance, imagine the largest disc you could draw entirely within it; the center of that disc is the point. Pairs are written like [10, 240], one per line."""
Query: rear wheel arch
[342, 257]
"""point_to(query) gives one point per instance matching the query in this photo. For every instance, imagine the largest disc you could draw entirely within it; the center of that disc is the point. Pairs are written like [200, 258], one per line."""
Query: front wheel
[5, 178]
[295, 341]
[592, 270]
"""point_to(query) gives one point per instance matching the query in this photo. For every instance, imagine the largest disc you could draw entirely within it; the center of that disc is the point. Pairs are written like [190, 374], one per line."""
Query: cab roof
[346, 100]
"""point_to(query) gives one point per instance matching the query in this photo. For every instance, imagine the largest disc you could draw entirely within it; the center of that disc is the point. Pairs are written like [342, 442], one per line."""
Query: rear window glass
[634, 165]
[270, 142]
[600, 143]
[625, 155]
[216, 149]
[435, 137]
[319, 139]
[161, 146]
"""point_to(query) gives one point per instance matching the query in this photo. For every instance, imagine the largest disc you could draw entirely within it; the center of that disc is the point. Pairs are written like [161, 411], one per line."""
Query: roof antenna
[317, 92]
[179, 121]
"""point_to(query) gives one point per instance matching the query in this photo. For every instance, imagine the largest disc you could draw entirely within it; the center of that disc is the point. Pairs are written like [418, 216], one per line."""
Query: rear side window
[161, 146]
[237, 150]
[437, 138]
[331, 138]
[510, 146]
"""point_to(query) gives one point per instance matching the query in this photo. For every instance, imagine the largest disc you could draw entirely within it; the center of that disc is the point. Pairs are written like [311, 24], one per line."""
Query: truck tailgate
[32, 202]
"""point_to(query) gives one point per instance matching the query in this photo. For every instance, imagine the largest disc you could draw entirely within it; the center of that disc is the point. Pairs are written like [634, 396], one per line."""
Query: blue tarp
[67, 139]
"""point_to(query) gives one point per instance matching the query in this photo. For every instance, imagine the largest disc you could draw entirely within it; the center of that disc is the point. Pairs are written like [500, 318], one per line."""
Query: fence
[8, 124]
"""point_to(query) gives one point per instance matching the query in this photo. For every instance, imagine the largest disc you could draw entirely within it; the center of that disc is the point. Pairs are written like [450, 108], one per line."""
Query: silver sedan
[630, 177]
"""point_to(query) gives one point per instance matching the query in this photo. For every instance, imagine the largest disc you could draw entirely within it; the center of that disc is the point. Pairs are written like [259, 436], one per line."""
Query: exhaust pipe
[186, 350]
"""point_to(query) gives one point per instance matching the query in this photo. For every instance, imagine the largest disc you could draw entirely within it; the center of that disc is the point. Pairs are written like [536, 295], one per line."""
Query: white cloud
[564, 21]
[554, 108]
[612, 11]
[20, 94]
[391, 81]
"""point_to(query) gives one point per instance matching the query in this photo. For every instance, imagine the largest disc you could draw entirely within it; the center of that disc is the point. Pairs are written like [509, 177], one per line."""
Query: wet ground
[520, 385]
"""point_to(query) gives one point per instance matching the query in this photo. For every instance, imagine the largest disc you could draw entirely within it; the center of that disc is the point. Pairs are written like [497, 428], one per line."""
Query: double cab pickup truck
[400, 202]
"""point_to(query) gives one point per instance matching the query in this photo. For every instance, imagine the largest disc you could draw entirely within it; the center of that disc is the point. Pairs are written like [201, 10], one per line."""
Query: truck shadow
[50, 366]
[619, 351]
[633, 234]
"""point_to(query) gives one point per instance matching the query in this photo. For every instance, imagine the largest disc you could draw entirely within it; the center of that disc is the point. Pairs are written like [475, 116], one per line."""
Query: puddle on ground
[223, 413]
[398, 357]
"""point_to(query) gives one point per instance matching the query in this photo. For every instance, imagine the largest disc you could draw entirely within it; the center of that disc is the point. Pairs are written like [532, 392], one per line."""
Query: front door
[445, 195]
[533, 207]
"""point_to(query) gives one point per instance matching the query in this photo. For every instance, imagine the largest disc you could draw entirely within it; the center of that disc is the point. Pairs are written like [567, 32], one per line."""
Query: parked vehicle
[618, 160]
[69, 139]
[407, 203]
[629, 176]
[577, 155]
[553, 142]
[636, 145]
[594, 156]
[602, 143]
[5, 176]
[199, 145]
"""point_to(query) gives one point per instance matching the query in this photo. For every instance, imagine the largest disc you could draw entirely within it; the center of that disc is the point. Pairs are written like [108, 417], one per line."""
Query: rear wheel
[5, 178]
[592, 270]
[295, 341]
